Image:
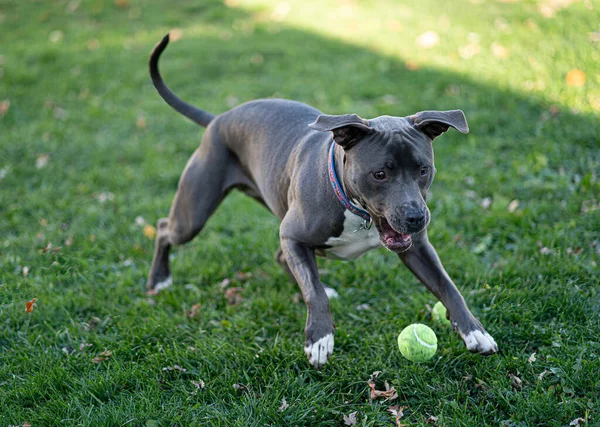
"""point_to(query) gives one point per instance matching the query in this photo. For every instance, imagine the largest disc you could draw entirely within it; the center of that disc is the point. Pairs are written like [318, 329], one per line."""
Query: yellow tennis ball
[417, 342]
[439, 314]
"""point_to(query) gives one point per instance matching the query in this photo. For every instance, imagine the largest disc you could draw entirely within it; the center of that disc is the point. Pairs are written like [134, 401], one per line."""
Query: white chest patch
[354, 240]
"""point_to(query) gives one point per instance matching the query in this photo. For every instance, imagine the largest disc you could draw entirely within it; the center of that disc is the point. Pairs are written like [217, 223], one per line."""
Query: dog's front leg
[319, 323]
[424, 262]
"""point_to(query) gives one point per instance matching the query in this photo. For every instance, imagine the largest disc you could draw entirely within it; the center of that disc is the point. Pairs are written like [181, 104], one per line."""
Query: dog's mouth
[390, 238]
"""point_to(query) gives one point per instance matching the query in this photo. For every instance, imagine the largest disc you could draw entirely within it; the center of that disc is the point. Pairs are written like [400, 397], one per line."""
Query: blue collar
[339, 190]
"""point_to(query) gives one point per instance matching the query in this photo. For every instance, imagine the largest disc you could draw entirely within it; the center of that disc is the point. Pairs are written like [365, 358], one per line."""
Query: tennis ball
[438, 314]
[417, 342]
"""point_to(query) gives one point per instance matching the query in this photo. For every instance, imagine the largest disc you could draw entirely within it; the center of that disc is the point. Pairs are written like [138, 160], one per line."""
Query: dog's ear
[347, 129]
[434, 123]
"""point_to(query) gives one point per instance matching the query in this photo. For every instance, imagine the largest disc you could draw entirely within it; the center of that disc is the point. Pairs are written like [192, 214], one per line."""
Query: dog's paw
[319, 352]
[164, 284]
[480, 342]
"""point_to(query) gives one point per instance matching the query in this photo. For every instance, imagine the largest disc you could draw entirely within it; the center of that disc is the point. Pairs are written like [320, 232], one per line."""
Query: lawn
[90, 157]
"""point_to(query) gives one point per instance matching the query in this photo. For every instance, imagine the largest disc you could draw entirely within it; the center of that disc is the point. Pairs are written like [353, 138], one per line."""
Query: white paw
[331, 293]
[319, 352]
[480, 342]
[164, 284]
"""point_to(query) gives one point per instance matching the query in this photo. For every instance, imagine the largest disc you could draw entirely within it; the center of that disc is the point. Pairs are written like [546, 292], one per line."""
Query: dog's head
[388, 167]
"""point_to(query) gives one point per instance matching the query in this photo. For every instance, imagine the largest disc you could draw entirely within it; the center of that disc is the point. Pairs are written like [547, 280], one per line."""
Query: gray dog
[341, 186]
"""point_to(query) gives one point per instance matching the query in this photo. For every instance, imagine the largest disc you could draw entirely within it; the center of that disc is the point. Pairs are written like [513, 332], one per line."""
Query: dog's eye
[424, 170]
[379, 175]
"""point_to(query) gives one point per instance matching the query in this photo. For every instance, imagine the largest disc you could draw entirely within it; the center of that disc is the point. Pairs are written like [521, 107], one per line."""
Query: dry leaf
[26, 424]
[284, 405]
[234, 296]
[4, 106]
[69, 240]
[93, 44]
[577, 422]
[543, 374]
[486, 203]
[431, 420]
[240, 387]
[242, 277]
[389, 393]
[56, 36]
[199, 384]
[350, 419]
[174, 368]
[29, 305]
[516, 381]
[412, 65]
[122, 3]
[149, 231]
[531, 358]
[42, 161]
[25, 271]
[141, 122]
[575, 78]
[84, 345]
[193, 312]
[398, 412]
[512, 206]
[428, 39]
[102, 356]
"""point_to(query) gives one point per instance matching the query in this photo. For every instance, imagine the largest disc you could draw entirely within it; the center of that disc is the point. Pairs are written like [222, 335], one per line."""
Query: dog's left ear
[434, 123]
[347, 128]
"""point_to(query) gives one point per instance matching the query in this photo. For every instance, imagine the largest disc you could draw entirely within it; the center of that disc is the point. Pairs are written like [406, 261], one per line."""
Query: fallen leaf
[4, 106]
[174, 368]
[149, 231]
[25, 271]
[234, 296]
[102, 356]
[350, 419]
[398, 412]
[242, 277]
[594, 36]
[224, 283]
[577, 422]
[122, 3]
[140, 122]
[193, 312]
[284, 405]
[42, 161]
[575, 78]
[29, 305]
[26, 424]
[486, 202]
[297, 298]
[428, 39]
[512, 206]
[84, 345]
[199, 384]
[431, 420]
[56, 36]
[543, 374]
[69, 240]
[516, 381]
[240, 387]
[531, 358]
[389, 393]
[412, 65]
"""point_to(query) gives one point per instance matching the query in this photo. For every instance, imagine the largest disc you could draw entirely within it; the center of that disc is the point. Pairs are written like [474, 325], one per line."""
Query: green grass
[75, 74]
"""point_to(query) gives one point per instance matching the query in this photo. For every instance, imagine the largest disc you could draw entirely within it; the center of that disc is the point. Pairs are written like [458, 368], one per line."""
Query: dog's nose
[415, 219]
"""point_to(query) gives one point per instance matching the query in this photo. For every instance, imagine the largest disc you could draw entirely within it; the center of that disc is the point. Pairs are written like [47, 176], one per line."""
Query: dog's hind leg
[208, 176]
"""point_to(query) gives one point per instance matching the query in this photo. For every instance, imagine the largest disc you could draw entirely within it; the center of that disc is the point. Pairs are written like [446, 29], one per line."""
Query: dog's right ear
[347, 129]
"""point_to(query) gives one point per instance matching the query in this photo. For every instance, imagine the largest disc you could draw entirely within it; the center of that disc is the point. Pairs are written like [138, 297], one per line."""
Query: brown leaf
[193, 312]
[140, 122]
[242, 277]
[234, 296]
[175, 34]
[398, 412]
[26, 424]
[516, 381]
[29, 305]
[102, 356]
[4, 106]
[350, 419]
[431, 420]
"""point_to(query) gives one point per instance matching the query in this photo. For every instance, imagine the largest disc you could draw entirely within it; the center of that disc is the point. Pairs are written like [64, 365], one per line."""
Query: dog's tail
[195, 114]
